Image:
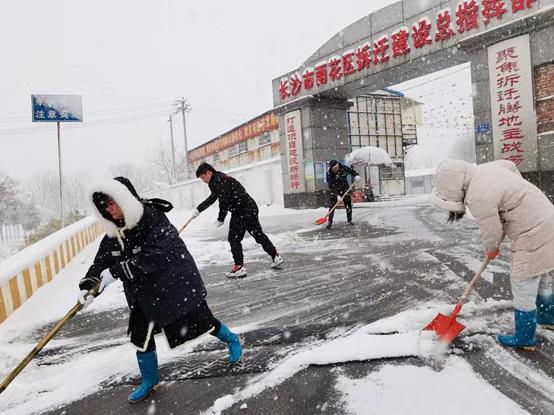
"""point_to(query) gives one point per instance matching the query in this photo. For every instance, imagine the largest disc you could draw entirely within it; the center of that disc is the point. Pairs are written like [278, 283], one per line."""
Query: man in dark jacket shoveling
[162, 284]
[244, 216]
[337, 180]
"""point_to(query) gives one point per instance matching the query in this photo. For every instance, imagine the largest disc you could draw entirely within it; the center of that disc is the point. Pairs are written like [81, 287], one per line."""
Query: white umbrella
[370, 155]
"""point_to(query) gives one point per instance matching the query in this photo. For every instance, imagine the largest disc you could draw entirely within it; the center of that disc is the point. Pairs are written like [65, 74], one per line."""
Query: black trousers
[240, 224]
[347, 204]
[177, 333]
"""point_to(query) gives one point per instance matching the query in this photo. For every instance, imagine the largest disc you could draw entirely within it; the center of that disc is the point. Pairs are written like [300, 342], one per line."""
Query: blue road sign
[57, 108]
[483, 128]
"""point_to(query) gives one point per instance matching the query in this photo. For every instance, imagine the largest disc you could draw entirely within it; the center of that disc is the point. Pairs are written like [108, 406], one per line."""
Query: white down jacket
[503, 203]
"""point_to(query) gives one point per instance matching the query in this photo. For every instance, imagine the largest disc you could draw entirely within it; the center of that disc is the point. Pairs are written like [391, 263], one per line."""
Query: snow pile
[355, 347]
[405, 389]
[411, 320]
[371, 342]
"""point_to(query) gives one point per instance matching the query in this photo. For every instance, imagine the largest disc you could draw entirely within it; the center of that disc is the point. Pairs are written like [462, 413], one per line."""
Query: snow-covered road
[336, 330]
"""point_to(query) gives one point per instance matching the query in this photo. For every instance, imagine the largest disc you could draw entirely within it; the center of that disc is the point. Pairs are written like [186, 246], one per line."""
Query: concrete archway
[410, 39]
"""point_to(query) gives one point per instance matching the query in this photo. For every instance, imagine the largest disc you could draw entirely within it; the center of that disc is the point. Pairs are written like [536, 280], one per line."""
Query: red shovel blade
[445, 327]
[321, 221]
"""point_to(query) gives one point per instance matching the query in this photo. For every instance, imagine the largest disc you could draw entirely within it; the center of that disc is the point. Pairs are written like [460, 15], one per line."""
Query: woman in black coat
[162, 284]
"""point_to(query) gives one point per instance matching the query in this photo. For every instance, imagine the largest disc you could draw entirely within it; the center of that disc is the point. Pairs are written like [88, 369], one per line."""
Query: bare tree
[140, 177]
[45, 192]
[8, 200]
[160, 163]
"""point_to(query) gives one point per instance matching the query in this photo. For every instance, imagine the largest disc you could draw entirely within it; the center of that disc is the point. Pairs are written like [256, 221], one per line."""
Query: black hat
[100, 200]
[333, 163]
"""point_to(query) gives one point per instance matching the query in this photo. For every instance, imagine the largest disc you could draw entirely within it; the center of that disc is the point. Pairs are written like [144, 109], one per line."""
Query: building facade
[507, 43]
[386, 120]
[252, 142]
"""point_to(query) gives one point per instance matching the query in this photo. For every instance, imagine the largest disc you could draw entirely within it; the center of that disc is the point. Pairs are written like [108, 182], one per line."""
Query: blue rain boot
[545, 311]
[227, 336]
[524, 337]
[148, 365]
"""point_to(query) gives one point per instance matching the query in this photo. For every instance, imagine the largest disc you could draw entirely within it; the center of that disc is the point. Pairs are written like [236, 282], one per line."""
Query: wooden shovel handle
[471, 285]
[70, 314]
[186, 224]
[338, 201]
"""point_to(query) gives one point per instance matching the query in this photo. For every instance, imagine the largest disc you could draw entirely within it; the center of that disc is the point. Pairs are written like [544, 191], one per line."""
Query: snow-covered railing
[28, 270]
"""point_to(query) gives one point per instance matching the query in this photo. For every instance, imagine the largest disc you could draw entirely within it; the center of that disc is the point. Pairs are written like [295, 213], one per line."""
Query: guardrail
[25, 272]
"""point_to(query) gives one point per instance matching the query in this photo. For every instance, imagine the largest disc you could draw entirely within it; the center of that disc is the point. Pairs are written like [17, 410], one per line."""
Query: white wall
[262, 180]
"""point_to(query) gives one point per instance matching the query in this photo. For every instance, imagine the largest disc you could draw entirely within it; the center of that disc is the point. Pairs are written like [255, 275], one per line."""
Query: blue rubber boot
[148, 365]
[545, 311]
[524, 337]
[235, 349]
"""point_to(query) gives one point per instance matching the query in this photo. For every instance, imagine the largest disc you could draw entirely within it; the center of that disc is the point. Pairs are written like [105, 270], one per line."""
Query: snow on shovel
[446, 327]
[324, 219]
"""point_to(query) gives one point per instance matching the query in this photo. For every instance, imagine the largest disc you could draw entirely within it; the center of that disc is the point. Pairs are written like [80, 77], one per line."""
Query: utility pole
[184, 107]
[172, 149]
[60, 173]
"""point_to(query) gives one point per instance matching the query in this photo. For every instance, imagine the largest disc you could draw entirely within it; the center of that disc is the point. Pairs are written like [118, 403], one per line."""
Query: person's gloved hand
[88, 283]
[195, 213]
[107, 279]
[219, 224]
[357, 178]
[85, 298]
[491, 255]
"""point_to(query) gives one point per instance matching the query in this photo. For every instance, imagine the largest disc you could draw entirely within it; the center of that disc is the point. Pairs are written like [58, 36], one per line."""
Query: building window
[234, 150]
[418, 182]
[264, 140]
[243, 147]
[394, 172]
[376, 121]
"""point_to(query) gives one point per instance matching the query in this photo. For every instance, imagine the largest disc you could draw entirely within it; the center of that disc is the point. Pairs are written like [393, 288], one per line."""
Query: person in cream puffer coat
[506, 205]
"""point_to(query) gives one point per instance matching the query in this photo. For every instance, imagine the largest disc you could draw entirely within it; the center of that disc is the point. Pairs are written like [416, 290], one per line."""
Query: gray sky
[130, 59]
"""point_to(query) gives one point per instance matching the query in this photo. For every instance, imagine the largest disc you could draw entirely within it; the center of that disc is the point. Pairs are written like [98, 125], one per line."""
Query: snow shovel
[447, 328]
[324, 219]
[71, 313]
